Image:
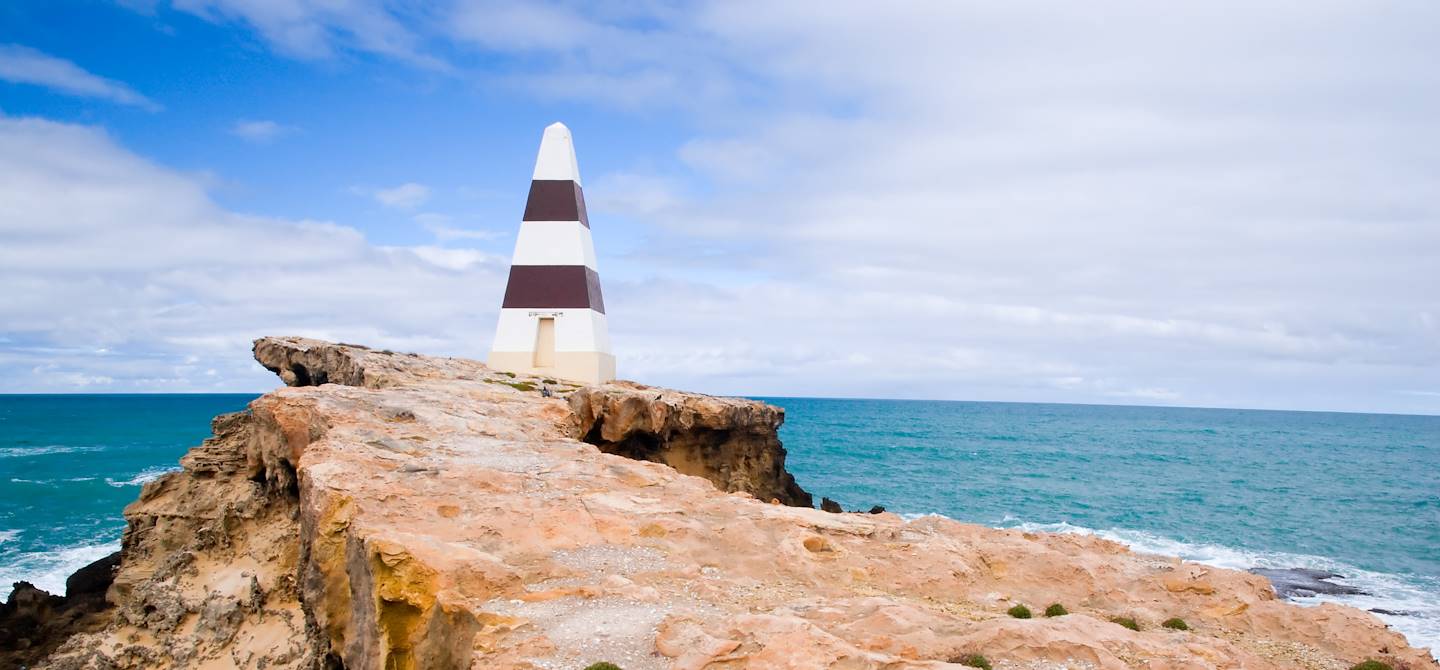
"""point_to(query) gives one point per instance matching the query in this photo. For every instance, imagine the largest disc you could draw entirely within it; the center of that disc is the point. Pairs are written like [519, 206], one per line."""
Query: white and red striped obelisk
[552, 321]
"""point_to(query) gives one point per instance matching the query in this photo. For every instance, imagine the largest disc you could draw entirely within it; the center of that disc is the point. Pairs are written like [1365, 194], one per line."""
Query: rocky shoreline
[390, 510]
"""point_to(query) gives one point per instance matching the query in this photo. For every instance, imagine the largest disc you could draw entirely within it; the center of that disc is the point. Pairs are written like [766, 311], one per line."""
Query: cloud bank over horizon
[1225, 205]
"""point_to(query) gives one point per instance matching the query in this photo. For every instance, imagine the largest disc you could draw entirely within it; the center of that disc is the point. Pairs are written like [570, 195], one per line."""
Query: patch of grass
[1019, 612]
[602, 665]
[1371, 665]
[512, 376]
[1128, 622]
[1056, 609]
[973, 661]
[551, 382]
[518, 386]
[1175, 623]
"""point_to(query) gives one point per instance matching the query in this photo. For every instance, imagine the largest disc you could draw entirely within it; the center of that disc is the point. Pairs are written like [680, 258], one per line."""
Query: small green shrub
[552, 382]
[602, 665]
[1125, 621]
[1056, 609]
[973, 661]
[512, 376]
[518, 386]
[1019, 612]
[1176, 623]
[1371, 665]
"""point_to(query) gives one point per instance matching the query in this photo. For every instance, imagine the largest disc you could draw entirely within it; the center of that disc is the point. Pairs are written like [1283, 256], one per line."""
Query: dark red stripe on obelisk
[556, 200]
[553, 287]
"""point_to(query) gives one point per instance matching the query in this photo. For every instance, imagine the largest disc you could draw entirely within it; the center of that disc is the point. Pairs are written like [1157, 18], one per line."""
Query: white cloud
[457, 259]
[633, 194]
[123, 273]
[23, 65]
[440, 225]
[405, 196]
[260, 131]
[320, 29]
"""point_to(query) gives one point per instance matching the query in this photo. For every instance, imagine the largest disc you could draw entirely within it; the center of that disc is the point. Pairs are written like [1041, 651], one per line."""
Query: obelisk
[552, 320]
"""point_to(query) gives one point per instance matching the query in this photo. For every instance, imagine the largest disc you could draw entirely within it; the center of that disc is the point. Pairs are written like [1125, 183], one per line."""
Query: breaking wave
[1410, 603]
[48, 570]
[146, 475]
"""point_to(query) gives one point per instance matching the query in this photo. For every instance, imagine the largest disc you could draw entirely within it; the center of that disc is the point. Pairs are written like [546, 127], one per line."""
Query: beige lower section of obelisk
[587, 367]
[571, 344]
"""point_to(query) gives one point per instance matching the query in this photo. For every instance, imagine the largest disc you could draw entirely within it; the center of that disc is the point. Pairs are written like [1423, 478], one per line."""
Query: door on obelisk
[545, 342]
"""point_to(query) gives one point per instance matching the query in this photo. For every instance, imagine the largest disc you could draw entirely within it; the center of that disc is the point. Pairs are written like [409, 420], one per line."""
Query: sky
[1226, 204]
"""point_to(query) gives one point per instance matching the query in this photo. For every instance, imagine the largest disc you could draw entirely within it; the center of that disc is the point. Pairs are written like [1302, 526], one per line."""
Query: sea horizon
[808, 397]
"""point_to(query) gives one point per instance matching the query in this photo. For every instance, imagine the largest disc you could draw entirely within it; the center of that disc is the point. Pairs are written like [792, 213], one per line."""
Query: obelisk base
[587, 367]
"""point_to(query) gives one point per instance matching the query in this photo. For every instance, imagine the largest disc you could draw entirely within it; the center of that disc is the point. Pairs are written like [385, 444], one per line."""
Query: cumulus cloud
[23, 65]
[260, 131]
[125, 275]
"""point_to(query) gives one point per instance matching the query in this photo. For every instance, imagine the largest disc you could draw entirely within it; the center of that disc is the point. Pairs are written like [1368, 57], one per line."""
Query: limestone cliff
[733, 443]
[397, 511]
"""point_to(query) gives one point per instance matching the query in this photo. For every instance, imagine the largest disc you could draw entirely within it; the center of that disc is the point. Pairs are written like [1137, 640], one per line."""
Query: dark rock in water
[878, 509]
[28, 602]
[22, 622]
[829, 505]
[1304, 582]
[93, 579]
[34, 623]
[1378, 610]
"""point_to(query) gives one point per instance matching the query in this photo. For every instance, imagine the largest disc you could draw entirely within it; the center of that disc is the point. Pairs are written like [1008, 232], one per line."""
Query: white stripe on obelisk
[554, 243]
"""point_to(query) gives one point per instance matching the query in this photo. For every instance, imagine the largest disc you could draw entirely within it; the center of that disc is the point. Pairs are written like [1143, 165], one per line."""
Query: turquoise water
[1352, 493]
[70, 463]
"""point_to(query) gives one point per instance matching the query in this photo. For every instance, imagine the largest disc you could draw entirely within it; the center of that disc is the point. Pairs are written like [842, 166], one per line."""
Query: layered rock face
[436, 514]
[733, 443]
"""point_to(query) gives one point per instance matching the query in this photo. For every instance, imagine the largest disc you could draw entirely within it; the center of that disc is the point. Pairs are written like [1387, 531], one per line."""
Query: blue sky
[332, 126]
[1222, 205]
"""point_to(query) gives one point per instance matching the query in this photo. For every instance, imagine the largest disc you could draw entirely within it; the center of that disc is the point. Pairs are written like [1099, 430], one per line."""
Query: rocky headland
[394, 511]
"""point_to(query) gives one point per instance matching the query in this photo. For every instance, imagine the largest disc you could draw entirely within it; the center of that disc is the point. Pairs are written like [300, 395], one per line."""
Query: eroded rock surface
[730, 441]
[436, 514]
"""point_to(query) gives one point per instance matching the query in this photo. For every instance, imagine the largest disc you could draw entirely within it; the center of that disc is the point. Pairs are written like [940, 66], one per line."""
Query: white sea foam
[8, 535]
[1417, 598]
[17, 480]
[48, 570]
[25, 452]
[146, 475]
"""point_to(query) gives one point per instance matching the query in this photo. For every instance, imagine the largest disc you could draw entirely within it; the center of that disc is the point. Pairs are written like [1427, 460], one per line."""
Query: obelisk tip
[556, 160]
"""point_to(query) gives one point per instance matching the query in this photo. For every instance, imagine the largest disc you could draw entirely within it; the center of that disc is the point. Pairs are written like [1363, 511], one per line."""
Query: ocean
[69, 464]
[1355, 494]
